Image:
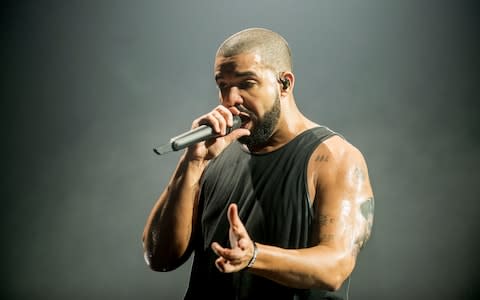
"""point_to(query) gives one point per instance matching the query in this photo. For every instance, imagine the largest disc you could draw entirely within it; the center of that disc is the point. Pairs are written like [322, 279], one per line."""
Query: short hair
[272, 47]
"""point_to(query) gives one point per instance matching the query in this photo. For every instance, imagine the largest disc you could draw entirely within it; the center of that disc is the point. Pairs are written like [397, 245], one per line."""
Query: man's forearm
[168, 230]
[318, 266]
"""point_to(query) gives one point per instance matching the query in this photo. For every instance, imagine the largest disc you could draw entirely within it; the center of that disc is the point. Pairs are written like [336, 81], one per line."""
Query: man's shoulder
[334, 154]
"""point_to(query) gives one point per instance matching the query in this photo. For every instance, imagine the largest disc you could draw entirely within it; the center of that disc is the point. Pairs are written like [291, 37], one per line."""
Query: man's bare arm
[341, 189]
[169, 227]
[343, 206]
[171, 223]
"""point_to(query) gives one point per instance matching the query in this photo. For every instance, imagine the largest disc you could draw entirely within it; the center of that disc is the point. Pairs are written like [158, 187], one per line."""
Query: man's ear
[287, 80]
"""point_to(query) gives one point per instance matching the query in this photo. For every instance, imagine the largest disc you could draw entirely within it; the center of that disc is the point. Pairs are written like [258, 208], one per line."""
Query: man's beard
[263, 128]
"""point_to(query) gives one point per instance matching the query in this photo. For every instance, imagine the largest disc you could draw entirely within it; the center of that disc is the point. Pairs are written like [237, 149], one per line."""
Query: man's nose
[232, 97]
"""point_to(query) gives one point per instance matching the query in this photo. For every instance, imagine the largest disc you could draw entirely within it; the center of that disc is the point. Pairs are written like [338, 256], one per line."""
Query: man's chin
[245, 140]
[253, 140]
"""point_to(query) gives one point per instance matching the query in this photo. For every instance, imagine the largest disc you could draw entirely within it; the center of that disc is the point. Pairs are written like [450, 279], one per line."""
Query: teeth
[245, 118]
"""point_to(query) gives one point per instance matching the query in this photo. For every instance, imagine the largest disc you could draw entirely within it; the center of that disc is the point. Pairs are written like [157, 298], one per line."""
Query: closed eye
[221, 86]
[244, 85]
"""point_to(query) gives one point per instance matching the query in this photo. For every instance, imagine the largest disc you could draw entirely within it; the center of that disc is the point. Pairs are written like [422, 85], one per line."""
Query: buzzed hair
[272, 47]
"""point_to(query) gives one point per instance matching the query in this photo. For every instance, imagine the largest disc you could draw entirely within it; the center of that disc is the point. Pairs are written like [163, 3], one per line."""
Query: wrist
[195, 162]
[254, 256]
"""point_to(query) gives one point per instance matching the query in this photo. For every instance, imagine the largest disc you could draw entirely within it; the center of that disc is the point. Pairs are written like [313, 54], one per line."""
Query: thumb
[238, 133]
[234, 220]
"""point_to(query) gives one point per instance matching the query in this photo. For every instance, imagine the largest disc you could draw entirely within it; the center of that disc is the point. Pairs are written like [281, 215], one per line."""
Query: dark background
[88, 88]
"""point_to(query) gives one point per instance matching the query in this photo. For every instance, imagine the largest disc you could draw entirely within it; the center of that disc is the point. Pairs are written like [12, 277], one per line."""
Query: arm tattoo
[358, 175]
[367, 209]
[325, 220]
[319, 222]
[322, 158]
[326, 237]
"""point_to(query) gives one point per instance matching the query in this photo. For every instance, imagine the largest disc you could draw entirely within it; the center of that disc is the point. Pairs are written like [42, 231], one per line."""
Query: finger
[234, 110]
[227, 115]
[208, 119]
[237, 133]
[216, 248]
[234, 255]
[220, 264]
[226, 266]
[221, 121]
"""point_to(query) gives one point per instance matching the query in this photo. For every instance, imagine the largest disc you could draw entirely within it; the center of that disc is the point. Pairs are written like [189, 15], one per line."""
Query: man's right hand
[219, 119]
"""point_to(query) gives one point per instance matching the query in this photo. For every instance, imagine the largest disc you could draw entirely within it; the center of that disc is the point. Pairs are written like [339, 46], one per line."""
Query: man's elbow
[333, 283]
[339, 275]
[157, 263]
[155, 260]
[336, 283]
[164, 260]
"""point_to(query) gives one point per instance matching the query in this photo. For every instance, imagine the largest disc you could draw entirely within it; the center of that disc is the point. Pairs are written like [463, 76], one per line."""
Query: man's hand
[239, 255]
[219, 119]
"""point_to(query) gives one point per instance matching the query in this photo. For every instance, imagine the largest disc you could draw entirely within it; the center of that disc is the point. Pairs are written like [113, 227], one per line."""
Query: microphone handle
[201, 133]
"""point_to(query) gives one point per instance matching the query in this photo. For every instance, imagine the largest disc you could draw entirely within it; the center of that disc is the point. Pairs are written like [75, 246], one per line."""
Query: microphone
[199, 134]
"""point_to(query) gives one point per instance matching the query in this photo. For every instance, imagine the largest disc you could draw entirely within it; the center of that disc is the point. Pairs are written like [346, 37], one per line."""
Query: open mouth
[246, 120]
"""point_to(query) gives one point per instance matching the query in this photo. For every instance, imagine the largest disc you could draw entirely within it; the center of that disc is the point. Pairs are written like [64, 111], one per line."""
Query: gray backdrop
[90, 87]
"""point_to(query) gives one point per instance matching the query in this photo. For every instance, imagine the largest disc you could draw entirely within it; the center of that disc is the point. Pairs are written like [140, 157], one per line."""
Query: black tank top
[271, 192]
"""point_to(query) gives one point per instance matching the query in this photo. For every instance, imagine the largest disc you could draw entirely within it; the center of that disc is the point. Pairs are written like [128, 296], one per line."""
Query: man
[279, 207]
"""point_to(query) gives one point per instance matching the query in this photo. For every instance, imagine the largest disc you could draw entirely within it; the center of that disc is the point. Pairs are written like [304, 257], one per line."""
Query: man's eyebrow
[237, 74]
